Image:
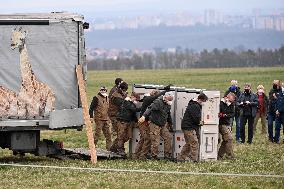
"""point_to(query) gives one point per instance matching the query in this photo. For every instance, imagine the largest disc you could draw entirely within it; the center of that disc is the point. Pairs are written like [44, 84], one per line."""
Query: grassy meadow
[261, 157]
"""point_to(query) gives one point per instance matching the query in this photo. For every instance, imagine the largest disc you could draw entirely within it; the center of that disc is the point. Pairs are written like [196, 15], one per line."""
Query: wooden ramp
[85, 153]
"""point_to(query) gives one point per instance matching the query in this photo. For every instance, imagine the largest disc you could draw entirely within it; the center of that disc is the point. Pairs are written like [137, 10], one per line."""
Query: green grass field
[261, 157]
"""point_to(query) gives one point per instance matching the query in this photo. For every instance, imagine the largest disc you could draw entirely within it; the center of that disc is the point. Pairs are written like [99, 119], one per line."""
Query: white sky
[115, 6]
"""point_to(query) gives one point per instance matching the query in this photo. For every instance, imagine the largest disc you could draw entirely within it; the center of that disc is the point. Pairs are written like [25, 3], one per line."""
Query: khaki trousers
[144, 144]
[191, 147]
[262, 117]
[227, 142]
[156, 132]
[103, 125]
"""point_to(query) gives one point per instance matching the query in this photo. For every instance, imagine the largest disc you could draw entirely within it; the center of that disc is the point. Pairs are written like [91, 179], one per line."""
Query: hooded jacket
[227, 112]
[127, 111]
[237, 92]
[192, 116]
[115, 102]
[272, 100]
[99, 107]
[159, 112]
[148, 100]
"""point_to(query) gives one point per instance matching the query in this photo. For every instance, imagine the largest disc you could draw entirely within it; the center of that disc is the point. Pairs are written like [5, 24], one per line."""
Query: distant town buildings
[269, 22]
[256, 20]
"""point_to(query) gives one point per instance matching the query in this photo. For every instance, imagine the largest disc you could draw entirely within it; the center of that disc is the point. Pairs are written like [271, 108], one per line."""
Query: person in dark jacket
[126, 115]
[273, 95]
[148, 100]
[261, 110]
[159, 114]
[144, 144]
[236, 90]
[190, 125]
[247, 103]
[99, 110]
[279, 115]
[227, 111]
[114, 104]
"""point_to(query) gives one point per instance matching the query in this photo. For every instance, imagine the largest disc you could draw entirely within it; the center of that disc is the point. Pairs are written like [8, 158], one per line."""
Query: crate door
[210, 109]
[208, 142]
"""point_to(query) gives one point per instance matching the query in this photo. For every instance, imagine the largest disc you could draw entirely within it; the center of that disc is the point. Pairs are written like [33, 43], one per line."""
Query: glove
[221, 115]
[168, 87]
[142, 119]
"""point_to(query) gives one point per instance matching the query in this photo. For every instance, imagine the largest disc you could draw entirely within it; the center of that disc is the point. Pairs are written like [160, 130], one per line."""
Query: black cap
[118, 81]
[123, 86]
[202, 97]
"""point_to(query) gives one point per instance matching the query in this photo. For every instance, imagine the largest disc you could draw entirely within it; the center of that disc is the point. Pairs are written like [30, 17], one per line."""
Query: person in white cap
[261, 109]
[99, 110]
[236, 90]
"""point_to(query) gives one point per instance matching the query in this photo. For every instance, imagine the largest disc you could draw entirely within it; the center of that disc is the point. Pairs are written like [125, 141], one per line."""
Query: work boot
[168, 157]
[113, 149]
[154, 158]
[121, 152]
[180, 161]
[231, 157]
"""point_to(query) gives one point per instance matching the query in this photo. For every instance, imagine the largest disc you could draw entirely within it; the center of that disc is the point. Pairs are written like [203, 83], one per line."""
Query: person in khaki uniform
[227, 111]
[144, 145]
[114, 104]
[190, 126]
[159, 113]
[117, 82]
[261, 110]
[99, 110]
[126, 118]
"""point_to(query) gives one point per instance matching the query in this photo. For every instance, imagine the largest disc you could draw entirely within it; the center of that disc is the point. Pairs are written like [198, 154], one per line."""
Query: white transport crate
[208, 132]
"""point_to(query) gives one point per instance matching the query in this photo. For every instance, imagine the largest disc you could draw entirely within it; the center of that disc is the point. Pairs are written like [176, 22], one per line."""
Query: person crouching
[226, 113]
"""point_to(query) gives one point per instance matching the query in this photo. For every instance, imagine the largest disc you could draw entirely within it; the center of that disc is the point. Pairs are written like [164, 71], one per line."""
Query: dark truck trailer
[38, 84]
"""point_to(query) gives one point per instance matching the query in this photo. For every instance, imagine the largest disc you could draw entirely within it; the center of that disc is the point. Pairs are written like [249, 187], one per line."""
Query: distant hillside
[198, 38]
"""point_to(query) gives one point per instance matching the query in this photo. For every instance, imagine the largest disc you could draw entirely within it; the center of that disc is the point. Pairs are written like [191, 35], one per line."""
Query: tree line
[181, 59]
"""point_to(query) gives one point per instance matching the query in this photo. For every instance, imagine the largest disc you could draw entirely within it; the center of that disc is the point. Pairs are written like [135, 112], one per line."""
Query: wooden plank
[89, 128]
